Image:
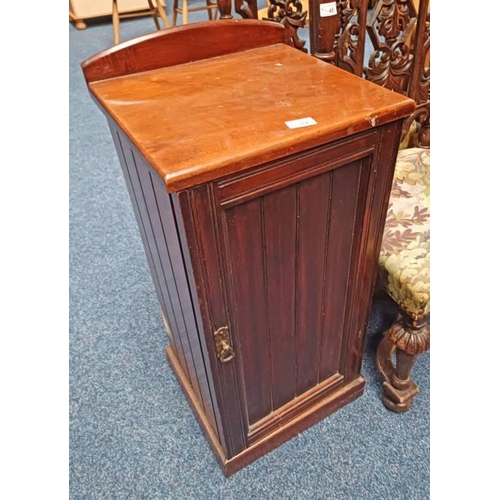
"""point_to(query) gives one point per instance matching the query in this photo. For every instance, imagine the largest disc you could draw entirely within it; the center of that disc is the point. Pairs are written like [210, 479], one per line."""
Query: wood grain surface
[199, 121]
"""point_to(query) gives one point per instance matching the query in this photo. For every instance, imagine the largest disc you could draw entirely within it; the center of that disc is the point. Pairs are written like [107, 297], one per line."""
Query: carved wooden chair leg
[408, 337]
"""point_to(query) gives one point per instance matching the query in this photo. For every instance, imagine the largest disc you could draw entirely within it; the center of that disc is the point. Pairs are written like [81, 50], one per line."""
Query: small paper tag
[301, 122]
[328, 9]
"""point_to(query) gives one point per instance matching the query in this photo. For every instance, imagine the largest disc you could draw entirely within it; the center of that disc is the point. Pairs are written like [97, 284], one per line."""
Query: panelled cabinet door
[279, 250]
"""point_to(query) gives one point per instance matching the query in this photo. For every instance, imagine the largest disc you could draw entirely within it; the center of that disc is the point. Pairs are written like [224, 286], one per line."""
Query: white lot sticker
[328, 9]
[301, 122]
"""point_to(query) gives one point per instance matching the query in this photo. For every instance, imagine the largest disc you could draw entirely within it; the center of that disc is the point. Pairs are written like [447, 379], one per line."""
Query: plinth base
[301, 422]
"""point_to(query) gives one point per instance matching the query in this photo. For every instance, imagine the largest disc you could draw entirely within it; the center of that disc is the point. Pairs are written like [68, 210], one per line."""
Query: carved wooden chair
[399, 31]
[404, 262]
[404, 266]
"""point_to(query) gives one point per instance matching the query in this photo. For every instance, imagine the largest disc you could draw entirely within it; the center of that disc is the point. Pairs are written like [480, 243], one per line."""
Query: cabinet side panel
[123, 151]
[200, 223]
[171, 269]
[167, 295]
[165, 305]
[180, 264]
[189, 247]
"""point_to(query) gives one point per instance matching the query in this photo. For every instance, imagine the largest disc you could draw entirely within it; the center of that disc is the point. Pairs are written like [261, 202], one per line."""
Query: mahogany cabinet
[262, 236]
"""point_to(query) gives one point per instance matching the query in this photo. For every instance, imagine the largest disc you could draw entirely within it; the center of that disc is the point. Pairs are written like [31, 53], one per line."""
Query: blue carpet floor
[132, 432]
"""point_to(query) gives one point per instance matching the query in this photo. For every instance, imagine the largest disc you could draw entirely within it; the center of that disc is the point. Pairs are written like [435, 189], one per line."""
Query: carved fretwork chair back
[399, 31]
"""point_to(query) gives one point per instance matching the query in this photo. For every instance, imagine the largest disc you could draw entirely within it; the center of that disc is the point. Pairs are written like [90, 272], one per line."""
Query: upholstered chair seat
[404, 272]
[404, 257]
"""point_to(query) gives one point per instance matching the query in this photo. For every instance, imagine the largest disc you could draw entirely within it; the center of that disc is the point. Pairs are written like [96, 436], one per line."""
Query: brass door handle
[223, 347]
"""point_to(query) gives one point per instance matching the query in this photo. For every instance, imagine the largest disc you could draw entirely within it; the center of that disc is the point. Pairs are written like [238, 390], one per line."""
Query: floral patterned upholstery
[404, 261]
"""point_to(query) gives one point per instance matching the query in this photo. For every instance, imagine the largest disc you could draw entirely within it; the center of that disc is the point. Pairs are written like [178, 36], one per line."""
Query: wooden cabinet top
[199, 121]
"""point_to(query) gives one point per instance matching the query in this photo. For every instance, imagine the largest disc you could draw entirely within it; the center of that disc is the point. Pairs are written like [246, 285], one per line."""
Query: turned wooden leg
[185, 11]
[163, 16]
[153, 14]
[79, 24]
[116, 23]
[209, 10]
[424, 135]
[408, 337]
[174, 12]
[225, 9]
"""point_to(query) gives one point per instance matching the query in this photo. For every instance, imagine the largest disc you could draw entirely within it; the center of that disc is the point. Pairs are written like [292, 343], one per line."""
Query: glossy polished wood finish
[179, 45]
[399, 32]
[269, 232]
[157, 110]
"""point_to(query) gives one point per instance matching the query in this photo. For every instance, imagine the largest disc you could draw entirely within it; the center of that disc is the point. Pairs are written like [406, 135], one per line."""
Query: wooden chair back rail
[181, 45]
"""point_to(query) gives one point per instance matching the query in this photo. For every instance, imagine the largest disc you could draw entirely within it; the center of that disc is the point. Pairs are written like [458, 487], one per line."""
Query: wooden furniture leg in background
[116, 23]
[408, 338]
[80, 10]
[209, 11]
[186, 10]
[79, 22]
[154, 12]
[162, 13]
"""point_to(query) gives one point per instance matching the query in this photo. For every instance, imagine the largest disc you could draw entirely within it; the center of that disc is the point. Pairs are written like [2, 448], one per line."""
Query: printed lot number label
[328, 9]
[301, 122]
